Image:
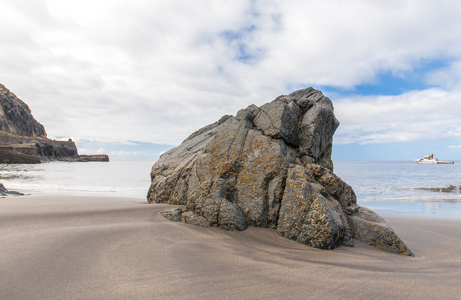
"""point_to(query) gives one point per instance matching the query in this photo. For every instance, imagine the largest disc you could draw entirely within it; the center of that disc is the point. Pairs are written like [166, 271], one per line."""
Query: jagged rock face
[15, 116]
[269, 166]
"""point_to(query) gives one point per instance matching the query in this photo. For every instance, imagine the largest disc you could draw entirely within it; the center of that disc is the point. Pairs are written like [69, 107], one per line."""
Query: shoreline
[429, 209]
[67, 246]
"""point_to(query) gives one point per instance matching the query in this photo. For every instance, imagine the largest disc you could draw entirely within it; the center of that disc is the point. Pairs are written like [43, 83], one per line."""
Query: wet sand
[70, 247]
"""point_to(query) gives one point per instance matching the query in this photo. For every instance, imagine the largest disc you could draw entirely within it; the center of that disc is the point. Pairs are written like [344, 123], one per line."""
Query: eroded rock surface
[269, 166]
[15, 116]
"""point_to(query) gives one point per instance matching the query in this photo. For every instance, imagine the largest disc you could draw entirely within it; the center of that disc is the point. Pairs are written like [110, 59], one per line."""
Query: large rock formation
[269, 166]
[24, 140]
[16, 118]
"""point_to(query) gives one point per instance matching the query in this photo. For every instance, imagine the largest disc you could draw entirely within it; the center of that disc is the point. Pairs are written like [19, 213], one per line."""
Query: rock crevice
[269, 166]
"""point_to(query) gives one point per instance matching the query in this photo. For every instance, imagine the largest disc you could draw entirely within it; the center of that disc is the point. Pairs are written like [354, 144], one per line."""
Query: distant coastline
[24, 140]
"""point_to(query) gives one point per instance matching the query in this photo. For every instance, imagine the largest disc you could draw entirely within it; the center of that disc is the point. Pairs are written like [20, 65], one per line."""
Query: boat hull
[433, 162]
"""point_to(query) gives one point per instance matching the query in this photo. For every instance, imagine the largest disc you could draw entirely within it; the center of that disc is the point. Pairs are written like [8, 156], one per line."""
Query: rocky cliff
[16, 117]
[24, 140]
[269, 166]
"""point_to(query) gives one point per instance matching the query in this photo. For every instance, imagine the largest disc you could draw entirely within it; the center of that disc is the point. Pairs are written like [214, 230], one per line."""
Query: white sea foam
[115, 178]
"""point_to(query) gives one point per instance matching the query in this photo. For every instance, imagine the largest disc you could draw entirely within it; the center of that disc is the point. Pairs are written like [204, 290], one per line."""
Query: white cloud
[447, 77]
[101, 151]
[155, 71]
[418, 115]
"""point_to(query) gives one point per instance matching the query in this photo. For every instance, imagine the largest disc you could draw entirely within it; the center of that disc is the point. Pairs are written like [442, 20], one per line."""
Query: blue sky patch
[391, 84]
[444, 149]
[236, 40]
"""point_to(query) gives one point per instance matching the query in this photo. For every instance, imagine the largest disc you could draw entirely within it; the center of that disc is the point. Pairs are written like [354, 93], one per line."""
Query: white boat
[429, 159]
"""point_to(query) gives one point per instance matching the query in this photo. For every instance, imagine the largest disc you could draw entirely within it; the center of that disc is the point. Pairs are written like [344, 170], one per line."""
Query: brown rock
[93, 157]
[270, 167]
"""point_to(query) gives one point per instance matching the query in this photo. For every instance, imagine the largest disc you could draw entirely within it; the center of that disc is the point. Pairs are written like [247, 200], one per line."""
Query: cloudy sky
[134, 78]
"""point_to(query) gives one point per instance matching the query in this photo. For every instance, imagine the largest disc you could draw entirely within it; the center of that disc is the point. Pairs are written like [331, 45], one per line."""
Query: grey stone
[193, 219]
[231, 217]
[172, 214]
[269, 166]
[370, 228]
[279, 119]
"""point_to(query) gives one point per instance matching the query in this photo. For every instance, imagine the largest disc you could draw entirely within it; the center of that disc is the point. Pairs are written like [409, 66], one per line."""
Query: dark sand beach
[71, 247]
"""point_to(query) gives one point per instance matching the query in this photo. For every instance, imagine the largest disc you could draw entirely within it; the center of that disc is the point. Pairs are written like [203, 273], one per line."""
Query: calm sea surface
[398, 187]
[404, 187]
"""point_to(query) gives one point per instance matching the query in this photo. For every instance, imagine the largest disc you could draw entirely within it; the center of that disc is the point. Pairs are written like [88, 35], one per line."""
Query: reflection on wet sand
[439, 208]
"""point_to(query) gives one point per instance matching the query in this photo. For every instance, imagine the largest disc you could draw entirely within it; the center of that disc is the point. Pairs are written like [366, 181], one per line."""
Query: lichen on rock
[269, 166]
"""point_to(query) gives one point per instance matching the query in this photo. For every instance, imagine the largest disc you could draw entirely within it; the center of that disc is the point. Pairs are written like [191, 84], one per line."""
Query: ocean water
[114, 178]
[397, 187]
[404, 187]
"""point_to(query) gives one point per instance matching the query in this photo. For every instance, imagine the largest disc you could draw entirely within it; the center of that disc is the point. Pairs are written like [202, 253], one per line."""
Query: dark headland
[24, 140]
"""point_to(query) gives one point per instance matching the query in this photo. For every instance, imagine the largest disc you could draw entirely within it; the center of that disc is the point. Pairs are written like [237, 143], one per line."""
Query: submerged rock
[269, 166]
[445, 189]
[5, 192]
